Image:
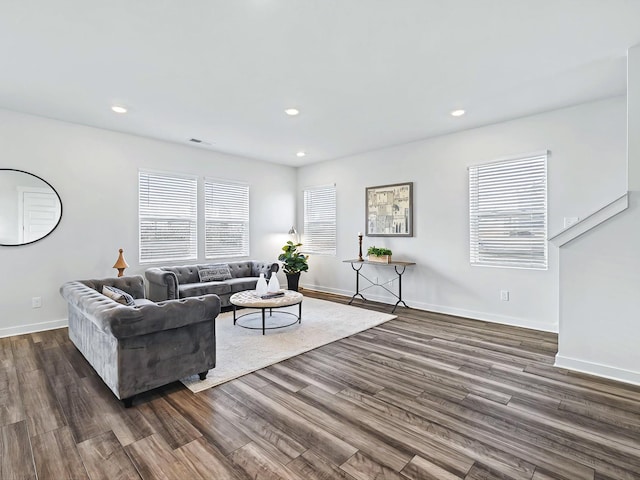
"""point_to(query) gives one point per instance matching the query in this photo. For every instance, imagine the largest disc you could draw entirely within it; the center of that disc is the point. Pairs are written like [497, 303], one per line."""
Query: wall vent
[197, 141]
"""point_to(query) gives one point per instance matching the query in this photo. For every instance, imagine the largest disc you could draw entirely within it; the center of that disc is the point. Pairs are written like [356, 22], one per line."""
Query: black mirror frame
[59, 200]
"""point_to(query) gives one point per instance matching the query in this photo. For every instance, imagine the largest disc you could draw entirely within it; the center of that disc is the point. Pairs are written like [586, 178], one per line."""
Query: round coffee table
[249, 299]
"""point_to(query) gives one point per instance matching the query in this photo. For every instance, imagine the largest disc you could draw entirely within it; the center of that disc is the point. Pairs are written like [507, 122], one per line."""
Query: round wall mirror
[30, 208]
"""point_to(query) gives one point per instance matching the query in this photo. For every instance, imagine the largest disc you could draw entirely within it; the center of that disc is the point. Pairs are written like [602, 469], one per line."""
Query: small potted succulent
[380, 255]
[293, 263]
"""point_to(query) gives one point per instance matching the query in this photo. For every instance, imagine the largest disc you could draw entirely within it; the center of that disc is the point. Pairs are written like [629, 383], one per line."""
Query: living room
[593, 159]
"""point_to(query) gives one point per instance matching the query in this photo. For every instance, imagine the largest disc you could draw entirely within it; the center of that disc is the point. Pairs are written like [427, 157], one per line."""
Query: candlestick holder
[121, 263]
[360, 247]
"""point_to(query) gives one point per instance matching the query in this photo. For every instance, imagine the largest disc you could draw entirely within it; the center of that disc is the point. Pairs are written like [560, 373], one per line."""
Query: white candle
[359, 234]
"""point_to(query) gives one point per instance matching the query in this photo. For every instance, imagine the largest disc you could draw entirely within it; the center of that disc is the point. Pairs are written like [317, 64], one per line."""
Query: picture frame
[389, 211]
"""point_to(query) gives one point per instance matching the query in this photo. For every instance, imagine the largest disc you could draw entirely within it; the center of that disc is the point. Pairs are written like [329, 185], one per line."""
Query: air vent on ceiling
[197, 141]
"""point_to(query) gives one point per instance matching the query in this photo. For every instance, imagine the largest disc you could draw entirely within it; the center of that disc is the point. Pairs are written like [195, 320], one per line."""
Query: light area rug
[241, 351]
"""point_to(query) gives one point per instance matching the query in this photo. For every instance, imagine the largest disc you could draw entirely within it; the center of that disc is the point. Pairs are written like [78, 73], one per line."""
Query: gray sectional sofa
[166, 283]
[139, 347]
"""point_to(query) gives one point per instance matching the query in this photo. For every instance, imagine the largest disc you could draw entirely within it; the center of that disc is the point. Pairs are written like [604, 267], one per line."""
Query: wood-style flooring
[424, 396]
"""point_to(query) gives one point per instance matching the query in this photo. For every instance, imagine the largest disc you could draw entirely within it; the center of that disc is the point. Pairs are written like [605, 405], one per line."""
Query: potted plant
[381, 255]
[293, 263]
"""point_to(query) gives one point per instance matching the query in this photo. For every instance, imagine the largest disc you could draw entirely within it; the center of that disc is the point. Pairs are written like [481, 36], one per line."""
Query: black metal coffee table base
[263, 309]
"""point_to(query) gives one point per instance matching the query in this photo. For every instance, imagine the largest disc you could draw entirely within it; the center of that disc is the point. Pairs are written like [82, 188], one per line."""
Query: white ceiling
[364, 73]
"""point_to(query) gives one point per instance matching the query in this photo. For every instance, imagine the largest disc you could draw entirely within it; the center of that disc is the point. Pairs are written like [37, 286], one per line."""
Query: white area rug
[241, 351]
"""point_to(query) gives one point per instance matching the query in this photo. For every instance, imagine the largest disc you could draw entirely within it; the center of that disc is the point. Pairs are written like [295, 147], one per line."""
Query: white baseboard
[33, 327]
[458, 312]
[597, 369]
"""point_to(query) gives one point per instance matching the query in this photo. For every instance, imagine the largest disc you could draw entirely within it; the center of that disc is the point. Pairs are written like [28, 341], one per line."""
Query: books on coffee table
[272, 295]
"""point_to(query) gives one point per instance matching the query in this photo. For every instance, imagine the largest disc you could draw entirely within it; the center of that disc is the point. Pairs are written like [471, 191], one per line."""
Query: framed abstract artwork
[390, 210]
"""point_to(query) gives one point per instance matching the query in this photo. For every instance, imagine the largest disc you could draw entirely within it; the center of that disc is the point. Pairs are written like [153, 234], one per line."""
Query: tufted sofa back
[189, 273]
[133, 285]
[185, 273]
[166, 282]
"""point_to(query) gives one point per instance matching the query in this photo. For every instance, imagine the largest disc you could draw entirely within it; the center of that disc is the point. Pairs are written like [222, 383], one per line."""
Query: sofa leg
[128, 402]
[203, 375]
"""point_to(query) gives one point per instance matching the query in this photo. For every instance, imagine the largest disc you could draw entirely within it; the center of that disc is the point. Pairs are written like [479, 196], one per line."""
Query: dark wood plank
[208, 462]
[165, 420]
[293, 423]
[16, 457]
[312, 466]
[11, 404]
[154, 459]
[257, 464]
[56, 456]
[216, 429]
[6, 354]
[40, 403]
[105, 459]
[421, 469]
[363, 467]
[79, 408]
[24, 354]
[342, 427]
[128, 424]
[425, 438]
[277, 443]
[468, 447]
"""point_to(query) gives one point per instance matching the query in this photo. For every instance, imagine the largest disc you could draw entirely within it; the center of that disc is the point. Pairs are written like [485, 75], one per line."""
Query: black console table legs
[399, 268]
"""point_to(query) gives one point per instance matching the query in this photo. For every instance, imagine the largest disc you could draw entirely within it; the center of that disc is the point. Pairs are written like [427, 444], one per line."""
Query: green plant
[378, 252]
[293, 261]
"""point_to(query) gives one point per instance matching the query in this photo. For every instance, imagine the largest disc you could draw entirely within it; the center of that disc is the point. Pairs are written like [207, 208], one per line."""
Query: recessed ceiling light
[458, 113]
[119, 109]
[292, 111]
[300, 154]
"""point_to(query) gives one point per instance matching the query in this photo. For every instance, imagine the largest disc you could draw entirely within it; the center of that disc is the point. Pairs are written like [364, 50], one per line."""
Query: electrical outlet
[504, 295]
[36, 302]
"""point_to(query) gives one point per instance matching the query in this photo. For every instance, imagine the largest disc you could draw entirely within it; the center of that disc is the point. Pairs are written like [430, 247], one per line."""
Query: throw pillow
[214, 273]
[118, 295]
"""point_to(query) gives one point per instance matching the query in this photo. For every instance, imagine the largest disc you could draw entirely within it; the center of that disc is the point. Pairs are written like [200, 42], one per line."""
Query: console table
[399, 268]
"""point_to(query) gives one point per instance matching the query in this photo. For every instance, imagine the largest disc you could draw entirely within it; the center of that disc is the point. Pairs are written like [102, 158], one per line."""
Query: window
[226, 209]
[508, 213]
[167, 216]
[320, 220]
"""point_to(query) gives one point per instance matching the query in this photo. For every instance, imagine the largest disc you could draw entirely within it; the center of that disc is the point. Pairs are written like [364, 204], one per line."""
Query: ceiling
[364, 74]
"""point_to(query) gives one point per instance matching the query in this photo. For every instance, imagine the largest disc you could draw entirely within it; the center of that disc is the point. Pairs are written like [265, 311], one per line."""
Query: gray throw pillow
[214, 273]
[118, 295]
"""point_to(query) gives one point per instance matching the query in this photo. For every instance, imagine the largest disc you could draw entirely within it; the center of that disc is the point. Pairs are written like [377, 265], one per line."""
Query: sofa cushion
[197, 289]
[142, 301]
[241, 284]
[185, 273]
[262, 267]
[240, 269]
[214, 273]
[118, 295]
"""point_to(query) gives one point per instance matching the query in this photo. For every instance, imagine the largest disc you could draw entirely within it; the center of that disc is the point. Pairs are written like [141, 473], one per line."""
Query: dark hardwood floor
[424, 396]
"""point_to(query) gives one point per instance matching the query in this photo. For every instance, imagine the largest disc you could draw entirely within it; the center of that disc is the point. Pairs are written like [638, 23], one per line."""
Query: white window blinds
[167, 216]
[508, 213]
[320, 220]
[226, 219]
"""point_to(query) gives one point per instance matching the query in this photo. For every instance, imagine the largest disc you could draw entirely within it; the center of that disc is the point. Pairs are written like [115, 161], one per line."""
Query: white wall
[586, 170]
[600, 276]
[95, 173]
